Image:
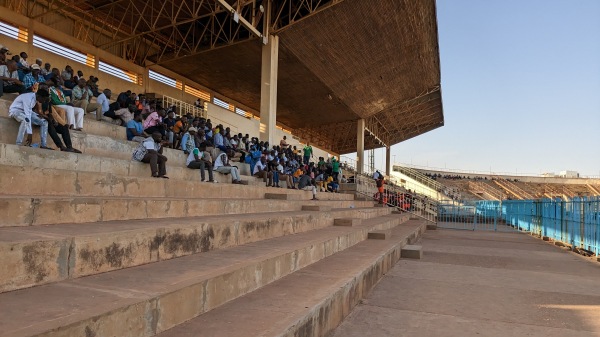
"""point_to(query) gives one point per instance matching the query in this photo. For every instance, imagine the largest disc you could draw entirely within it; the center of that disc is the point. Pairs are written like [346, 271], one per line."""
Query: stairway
[93, 246]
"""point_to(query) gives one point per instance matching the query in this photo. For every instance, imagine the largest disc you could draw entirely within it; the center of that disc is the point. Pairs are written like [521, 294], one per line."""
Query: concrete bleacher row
[93, 246]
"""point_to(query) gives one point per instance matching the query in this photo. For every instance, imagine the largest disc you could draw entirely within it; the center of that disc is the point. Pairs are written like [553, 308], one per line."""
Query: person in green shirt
[307, 153]
[335, 168]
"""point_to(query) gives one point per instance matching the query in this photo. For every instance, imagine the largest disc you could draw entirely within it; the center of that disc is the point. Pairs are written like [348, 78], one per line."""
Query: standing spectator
[135, 130]
[10, 78]
[58, 99]
[33, 77]
[283, 143]
[81, 99]
[308, 151]
[22, 110]
[335, 169]
[150, 151]
[222, 165]
[198, 159]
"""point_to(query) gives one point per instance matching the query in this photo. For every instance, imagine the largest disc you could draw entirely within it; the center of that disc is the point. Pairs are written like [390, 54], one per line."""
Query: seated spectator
[104, 101]
[81, 99]
[188, 141]
[10, 79]
[304, 183]
[67, 77]
[46, 71]
[283, 176]
[135, 131]
[23, 62]
[261, 171]
[38, 61]
[198, 104]
[92, 83]
[124, 115]
[154, 123]
[33, 77]
[58, 99]
[57, 124]
[123, 99]
[332, 185]
[169, 124]
[150, 151]
[200, 160]
[22, 110]
[3, 52]
[222, 165]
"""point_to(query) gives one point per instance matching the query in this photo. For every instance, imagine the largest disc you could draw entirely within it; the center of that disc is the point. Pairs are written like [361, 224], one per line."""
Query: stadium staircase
[512, 188]
[91, 245]
[485, 191]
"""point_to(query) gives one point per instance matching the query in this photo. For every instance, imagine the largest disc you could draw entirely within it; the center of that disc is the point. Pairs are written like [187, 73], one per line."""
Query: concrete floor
[482, 284]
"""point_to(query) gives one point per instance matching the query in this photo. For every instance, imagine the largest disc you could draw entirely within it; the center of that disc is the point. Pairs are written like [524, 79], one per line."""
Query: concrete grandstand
[93, 245]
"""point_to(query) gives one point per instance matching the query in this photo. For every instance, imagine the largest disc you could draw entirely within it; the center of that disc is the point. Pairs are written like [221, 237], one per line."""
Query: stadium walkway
[482, 284]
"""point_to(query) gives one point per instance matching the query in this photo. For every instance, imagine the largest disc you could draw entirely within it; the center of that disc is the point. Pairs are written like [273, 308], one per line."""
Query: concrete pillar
[268, 89]
[29, 50]
[360, 145]
[388, 166]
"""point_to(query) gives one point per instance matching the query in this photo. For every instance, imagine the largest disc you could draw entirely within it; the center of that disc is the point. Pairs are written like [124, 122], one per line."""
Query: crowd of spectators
[58, 100]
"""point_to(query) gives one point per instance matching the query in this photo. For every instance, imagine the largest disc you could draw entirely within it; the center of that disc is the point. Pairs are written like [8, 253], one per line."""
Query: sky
[520, 89]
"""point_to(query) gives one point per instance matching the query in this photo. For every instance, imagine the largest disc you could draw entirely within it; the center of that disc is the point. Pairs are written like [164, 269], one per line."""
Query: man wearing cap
[9, 78]
[33, 77]
[22, 110]
[3, 52]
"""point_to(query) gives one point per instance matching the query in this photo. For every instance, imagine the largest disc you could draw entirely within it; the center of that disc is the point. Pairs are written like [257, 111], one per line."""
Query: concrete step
[31, 157]
[310, 302]
[46, 210]
[34, 181]
[44, 254]
[99, 146]
[145, 300]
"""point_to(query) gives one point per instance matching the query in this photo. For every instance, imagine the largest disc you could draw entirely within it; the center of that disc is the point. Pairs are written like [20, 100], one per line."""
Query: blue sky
[520, 85]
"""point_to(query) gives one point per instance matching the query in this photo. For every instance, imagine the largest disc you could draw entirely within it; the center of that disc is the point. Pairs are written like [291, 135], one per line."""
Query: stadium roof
[339, 60]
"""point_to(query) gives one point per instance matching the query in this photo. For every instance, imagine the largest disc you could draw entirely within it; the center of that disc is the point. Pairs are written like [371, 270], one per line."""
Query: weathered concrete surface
[319, 207]
[380, 235]
[145, 300]
[412, 252]
[308, 303]
[42, 254]
[347, 222]
[28, 211]
[483, 284]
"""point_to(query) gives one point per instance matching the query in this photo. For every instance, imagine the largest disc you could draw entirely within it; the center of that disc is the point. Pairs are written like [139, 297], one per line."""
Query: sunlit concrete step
[42, 254]
[145, 300]
[45, 210]
[33, 181]
[99, 146]
[21, 156]
[309, 302]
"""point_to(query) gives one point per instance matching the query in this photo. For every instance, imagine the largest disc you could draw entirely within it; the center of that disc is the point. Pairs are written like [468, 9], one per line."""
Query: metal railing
[575, 222]
[419, 177]
[183, 108]
[397, 197]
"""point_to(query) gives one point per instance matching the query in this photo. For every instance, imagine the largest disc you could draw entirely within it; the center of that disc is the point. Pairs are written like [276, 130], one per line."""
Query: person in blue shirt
[33, 77]
[135, 130]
